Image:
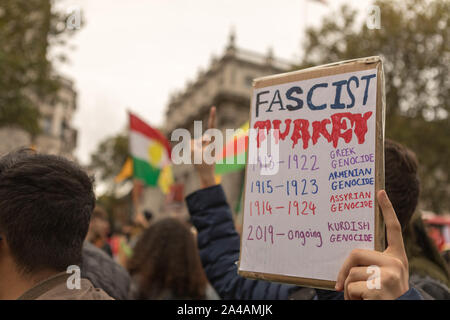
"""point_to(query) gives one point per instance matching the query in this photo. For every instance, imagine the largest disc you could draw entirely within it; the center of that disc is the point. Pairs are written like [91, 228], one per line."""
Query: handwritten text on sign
[303, 220]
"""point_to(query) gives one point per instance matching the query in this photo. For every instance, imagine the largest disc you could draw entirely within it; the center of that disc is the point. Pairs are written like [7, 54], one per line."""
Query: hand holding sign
[322, 129]
[392, 263]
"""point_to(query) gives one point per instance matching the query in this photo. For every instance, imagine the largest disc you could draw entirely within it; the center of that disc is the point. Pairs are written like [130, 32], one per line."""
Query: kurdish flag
[150, 152]
[234, 155]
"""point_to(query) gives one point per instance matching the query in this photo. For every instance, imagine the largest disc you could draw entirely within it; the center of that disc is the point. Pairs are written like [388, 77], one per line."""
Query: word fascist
[292, 101]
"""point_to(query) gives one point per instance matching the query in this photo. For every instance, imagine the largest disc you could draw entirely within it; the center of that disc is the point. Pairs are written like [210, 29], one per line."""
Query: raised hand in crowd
[392, 275]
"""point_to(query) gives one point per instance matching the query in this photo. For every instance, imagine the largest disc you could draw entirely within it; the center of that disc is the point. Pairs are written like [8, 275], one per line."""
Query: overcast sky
[131, 54]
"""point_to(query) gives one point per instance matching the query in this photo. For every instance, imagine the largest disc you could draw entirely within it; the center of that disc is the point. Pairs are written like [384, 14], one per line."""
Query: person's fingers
[206, 139]
[194, 146]
[356, 290]
[393, 227]
[212, 118]
[355, 274]
[358, 258]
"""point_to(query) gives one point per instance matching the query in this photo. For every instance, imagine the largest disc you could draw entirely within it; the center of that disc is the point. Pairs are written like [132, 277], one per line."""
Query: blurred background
[70, 71]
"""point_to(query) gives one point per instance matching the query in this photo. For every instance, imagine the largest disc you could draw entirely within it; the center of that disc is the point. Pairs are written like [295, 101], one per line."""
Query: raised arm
[218, 241]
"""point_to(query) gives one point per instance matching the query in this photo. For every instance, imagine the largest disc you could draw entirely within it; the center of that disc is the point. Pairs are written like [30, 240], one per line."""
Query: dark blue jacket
[219, 246]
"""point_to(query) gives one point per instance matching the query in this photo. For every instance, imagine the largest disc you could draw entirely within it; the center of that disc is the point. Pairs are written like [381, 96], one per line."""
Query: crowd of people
[49, 221]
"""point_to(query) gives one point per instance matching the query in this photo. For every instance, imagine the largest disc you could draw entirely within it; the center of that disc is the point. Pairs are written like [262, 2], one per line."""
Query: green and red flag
[150, 152]
[234, 155]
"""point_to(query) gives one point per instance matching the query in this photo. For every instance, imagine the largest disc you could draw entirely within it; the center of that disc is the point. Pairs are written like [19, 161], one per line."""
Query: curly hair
[166, 262]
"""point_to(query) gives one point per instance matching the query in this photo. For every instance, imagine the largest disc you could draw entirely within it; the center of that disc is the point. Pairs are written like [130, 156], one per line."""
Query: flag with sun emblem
[150, 152]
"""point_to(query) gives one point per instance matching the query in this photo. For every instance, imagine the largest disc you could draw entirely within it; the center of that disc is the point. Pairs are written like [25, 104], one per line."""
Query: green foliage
[106, 162]
[414, 42]
[108, 159]
[28, 28]
[20, 114]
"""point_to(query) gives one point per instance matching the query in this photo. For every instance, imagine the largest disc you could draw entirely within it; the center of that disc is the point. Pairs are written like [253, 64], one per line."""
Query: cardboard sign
[313, 168]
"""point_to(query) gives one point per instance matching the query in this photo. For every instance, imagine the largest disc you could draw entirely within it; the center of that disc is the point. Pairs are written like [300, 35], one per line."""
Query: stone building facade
[226, 84]
[57, 135]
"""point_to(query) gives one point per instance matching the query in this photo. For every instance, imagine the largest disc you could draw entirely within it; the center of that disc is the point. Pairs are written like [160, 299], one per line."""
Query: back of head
[403, 188]
[401, 180]
[166, 263]
[45, 207]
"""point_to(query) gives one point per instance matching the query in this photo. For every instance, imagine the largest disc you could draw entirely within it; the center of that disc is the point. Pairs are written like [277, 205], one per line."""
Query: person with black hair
[427, 271]
[46, 203]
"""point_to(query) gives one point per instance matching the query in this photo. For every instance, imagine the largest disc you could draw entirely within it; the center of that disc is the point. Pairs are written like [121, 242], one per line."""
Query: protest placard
[315, 162]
